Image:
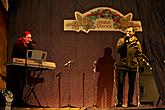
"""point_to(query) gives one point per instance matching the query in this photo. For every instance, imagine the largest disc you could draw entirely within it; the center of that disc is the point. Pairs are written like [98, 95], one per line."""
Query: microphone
[60, 73]
[94, 63]
[94, 66]
[66, 64]
[127, 39]
[33, 42]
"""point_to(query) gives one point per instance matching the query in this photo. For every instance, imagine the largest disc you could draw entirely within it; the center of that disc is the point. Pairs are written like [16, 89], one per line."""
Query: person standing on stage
[129, 49]
[22, 45]
[16, 75]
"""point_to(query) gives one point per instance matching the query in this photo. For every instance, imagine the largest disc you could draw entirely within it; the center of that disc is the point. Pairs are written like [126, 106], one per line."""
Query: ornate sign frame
[101, 19]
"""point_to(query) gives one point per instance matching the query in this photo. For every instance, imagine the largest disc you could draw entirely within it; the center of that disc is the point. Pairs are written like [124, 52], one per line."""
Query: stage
[94, 108]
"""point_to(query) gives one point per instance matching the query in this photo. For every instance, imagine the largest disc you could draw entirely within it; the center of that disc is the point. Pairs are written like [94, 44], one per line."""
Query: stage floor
[95, 108]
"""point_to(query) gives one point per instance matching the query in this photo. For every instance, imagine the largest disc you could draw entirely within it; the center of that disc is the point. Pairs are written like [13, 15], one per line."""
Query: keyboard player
[16, 75]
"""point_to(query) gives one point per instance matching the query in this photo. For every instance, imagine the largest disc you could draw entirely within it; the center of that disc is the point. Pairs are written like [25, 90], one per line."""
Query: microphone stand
[59, 87]
[115, 83]
[83, 88]
[138, 85]
[140, 54]
[69, 86]
[94, 89]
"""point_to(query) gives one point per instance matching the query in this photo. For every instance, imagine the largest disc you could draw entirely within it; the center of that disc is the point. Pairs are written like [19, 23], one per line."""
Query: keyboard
[32, 63]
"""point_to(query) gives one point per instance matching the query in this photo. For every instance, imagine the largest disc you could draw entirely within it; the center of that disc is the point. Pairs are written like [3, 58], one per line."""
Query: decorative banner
[101, 19]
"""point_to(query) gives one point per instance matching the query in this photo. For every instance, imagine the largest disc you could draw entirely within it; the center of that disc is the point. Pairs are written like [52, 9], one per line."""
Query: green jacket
[129, 53]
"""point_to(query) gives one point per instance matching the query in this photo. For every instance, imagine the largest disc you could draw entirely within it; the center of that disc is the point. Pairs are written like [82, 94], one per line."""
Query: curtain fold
[152, 17]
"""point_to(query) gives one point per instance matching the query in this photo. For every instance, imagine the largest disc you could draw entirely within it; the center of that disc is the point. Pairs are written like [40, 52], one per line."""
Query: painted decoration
[101, 19]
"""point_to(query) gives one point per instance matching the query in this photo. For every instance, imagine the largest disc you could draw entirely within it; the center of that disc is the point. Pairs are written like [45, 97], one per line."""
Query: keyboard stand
[34, 66]
[31, 88]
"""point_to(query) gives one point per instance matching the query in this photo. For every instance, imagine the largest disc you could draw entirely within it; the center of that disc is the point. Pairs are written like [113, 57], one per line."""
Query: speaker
[148, 89]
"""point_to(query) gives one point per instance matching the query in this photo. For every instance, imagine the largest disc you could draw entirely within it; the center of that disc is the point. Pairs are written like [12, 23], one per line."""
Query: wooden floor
[95, 108]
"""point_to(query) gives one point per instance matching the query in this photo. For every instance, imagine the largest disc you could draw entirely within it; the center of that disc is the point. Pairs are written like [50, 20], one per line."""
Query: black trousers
[16, 80]
[121, 79]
